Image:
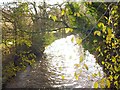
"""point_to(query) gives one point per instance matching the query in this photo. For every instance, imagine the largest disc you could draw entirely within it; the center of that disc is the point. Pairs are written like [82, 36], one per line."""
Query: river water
[67, 65]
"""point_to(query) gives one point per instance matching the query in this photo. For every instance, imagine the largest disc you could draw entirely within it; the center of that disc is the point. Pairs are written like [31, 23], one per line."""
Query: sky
[56, 1]
[48, 1]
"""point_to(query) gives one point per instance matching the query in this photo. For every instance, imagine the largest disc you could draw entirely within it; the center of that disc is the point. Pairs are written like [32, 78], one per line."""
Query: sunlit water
[65, 56]
[63, 67]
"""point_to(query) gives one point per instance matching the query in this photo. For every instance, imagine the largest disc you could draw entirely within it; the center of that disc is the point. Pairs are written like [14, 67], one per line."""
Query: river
[67, 65]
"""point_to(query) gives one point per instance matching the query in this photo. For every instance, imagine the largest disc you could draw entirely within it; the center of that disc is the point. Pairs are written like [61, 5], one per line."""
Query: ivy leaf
[96, 85]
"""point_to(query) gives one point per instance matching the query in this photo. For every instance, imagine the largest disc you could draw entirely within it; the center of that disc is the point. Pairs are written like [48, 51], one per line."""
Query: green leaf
[96, 85]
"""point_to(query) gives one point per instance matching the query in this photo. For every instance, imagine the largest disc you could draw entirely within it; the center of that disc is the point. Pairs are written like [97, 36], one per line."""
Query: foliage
[28, 29]
[23, 44]
[106, 45]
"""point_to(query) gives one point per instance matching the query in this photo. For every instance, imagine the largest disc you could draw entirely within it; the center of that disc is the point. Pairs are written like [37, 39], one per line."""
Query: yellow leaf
[62, 13]
[63, 77]
[106, 17]
[67, 30]
[78, 14]
[116, 83]
[60, 68]
[96, 85]
[72, 39]
[95, 41]
[103, 62]
[115, 24]
[86, 66]
[76, 76]
[100, 24]
[77, 65]
[116, 77]
[116, 69]
[97, 33]
[81, 58]
[104, 29]
[111, 78]
[102, 83]
[79, 41]
[109, 31]
[50, 16]
[108, 83]
[98, 49]
[94, 75]
[53, 17]
[88, 77]
[113, 45]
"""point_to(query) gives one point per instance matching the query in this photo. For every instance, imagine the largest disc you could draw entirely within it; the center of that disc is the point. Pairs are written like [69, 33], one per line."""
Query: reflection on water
[63, 67]
[64, 57]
